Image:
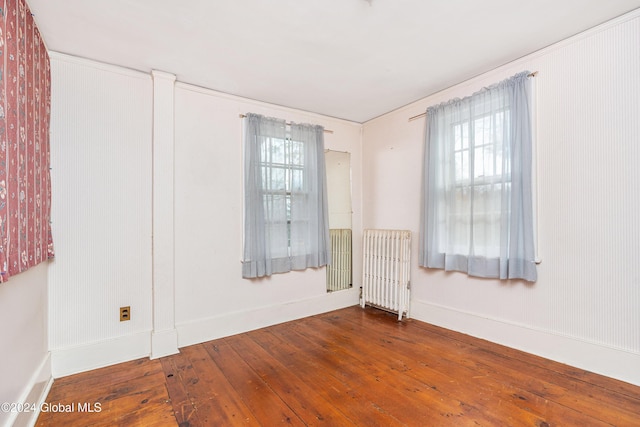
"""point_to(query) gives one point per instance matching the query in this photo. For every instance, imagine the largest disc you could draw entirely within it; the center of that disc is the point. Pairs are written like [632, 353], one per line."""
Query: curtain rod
[535, 73]
[242, 116]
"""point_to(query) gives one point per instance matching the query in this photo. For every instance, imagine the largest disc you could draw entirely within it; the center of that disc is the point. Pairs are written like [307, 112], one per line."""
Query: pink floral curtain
[25, 100]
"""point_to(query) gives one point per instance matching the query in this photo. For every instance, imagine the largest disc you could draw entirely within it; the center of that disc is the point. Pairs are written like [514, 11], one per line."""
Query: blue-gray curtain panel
[286, 222]
[477, 209]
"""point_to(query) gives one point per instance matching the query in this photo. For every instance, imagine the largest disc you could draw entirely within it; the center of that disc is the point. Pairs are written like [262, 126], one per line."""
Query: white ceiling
[352, 59]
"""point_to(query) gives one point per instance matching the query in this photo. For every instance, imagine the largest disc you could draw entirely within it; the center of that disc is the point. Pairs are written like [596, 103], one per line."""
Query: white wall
[101, 214]
[212, 299]
[25, 367]
[102, 155]
[585, 308]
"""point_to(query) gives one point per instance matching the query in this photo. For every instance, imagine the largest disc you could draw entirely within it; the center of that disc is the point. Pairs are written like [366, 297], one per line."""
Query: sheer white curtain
[286, 221]
[477, 214]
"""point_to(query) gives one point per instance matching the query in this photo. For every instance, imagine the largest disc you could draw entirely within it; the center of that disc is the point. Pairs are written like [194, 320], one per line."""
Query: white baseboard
[72, 360]
[35, 393]
[164, 343]
[615, 363]
[211, 328]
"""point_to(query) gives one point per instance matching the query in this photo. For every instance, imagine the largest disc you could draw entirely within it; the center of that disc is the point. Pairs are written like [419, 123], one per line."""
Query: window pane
[497, 164]
[274, 179]
[462, 166]
[459, 224]
[486, 219]
[490, 160]
[278, 151]
[457, 137]
[465, 135]
[275, 204]
[297, 153]
[478, 163]
[297, 180]
[479, 131]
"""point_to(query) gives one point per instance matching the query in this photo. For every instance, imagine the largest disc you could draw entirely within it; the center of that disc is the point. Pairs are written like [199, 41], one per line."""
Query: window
[286, 221]
[478, 146]
[282, 168]
[477, 213]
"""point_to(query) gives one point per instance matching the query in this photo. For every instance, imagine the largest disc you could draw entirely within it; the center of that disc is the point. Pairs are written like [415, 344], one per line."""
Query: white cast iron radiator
[339, 272]
[386, 256]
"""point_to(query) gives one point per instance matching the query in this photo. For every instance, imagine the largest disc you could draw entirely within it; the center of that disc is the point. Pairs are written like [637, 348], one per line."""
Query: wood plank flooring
[347, 367]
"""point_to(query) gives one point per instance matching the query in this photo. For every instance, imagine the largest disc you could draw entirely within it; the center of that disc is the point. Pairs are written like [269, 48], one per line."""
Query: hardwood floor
[347, 367]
